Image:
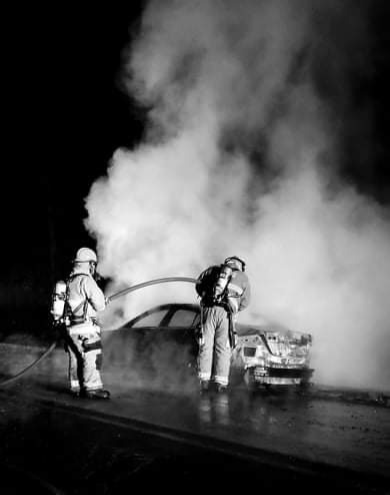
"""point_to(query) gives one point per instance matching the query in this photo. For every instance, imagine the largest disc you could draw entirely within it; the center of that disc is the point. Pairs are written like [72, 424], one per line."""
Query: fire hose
[109, 299]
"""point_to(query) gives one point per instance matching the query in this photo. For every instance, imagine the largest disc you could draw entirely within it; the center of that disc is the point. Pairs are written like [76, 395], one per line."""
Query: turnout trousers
[84, 348]
[214, 350]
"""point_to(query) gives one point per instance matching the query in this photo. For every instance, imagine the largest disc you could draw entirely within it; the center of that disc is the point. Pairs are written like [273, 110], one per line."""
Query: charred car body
[167, 336]
[272, 355]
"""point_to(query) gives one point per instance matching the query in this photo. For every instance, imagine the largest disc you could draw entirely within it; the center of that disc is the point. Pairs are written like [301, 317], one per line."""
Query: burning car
[166, 338]
[271, 354]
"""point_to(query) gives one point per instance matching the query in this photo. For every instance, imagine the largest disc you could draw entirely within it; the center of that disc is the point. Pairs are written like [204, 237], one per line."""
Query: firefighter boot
[97, 394]
[204, 386]
[220, 389]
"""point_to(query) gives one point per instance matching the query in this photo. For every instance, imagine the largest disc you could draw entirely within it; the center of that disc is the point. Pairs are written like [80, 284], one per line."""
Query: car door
[135, 335]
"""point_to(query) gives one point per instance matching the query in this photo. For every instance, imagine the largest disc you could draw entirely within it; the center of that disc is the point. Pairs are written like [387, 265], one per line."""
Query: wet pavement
[301, 440]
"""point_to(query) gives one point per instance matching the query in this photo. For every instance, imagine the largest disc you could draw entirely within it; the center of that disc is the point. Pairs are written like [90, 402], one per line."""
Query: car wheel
[303, 387]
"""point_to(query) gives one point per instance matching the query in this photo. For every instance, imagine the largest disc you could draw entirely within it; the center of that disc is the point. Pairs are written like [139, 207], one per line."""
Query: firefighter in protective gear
[84, 299]
[224, 291]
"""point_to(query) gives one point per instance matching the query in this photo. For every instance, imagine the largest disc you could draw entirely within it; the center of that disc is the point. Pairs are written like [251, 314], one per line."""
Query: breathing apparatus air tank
[58, 301]
[222, 282]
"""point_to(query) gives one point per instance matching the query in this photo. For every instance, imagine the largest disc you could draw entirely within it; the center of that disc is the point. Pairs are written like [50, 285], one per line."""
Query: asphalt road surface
[178, 441]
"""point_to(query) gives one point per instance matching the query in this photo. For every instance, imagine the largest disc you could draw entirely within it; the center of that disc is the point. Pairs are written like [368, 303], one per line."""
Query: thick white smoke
[240, 157]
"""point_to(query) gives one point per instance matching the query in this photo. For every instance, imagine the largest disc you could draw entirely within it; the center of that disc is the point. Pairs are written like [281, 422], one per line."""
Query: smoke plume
[248, 108]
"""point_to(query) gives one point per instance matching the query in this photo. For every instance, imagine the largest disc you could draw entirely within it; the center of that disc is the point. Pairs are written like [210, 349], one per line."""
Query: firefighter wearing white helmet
[84, 299]
[224, 291]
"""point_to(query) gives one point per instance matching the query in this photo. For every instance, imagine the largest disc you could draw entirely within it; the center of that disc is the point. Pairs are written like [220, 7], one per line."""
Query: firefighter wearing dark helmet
[224, 291]
[84, 299]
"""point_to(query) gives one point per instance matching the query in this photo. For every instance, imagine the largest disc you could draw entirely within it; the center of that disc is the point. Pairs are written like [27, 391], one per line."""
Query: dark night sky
[64, 115]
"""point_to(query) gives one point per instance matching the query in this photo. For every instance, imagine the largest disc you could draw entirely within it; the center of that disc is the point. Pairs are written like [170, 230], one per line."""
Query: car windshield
[150, 319]
[171, 316]
[183, 318]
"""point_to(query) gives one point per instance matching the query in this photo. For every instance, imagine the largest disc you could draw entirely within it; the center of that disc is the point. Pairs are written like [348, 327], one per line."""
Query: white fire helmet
[85, 255]
[236, 263]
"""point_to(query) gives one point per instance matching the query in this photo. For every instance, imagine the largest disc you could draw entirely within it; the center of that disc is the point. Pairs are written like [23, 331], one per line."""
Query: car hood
[245, 329]
[278, 339]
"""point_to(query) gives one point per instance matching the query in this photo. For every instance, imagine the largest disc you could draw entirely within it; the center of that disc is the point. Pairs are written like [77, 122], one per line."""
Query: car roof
[241, 328]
